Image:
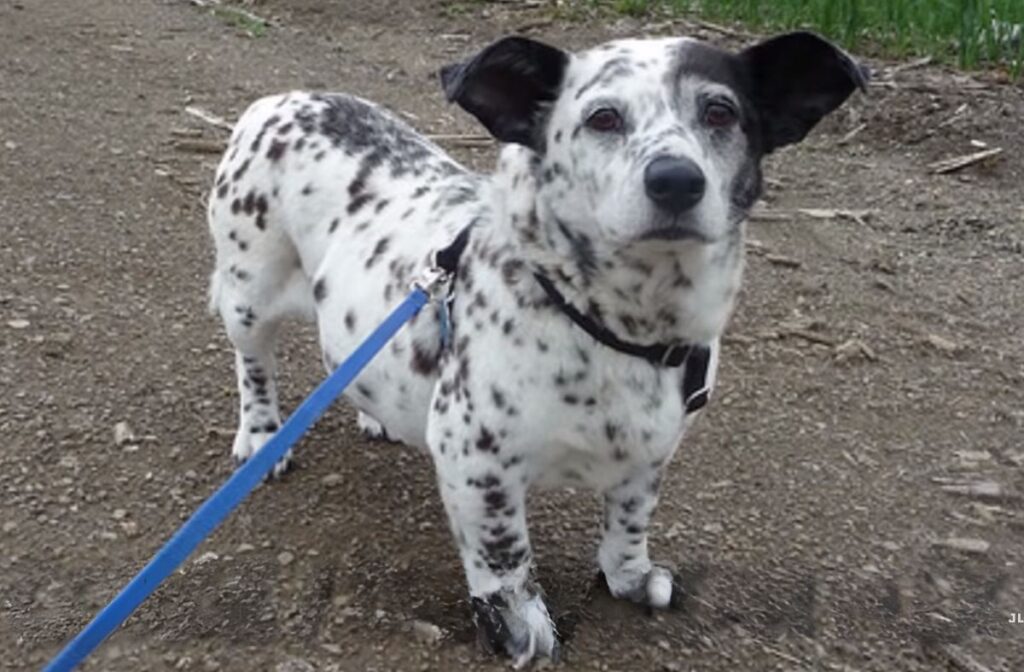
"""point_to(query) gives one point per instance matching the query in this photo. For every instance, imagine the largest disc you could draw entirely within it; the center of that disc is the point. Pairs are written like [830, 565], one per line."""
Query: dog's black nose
[675, 183]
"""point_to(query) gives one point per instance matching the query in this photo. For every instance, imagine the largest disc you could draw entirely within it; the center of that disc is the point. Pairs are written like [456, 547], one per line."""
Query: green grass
[970, 33]
[251, 25]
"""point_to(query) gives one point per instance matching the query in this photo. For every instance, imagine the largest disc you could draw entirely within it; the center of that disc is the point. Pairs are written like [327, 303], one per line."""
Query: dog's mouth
[676, 232]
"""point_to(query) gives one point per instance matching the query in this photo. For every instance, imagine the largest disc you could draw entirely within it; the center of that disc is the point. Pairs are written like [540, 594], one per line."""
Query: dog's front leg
[484, 493]
[622, 555]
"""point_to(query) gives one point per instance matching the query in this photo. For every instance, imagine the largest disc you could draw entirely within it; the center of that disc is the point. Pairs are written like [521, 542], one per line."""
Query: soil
[870, 409]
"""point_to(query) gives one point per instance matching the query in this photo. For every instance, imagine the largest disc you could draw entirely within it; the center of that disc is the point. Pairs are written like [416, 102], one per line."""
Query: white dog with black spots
[603, 261]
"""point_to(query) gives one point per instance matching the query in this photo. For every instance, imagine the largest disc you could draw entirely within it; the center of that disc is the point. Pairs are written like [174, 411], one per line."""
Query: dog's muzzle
[676, 185]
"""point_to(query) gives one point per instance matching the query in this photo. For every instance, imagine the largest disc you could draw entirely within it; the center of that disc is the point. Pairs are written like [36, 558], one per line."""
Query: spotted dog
[602, 260]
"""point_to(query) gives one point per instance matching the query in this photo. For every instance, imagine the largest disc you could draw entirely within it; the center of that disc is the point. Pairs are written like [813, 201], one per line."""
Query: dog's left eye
[605, 120]
[720, 115]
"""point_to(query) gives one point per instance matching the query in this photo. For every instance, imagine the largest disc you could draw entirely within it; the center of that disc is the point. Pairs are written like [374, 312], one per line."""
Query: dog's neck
[667, 292]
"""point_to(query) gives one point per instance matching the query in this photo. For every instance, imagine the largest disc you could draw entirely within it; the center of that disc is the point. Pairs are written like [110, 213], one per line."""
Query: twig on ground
[961, 661]
[237, 11]
[956, 163]
[859, 216]
[200, 146]
[784, 656]
[909, 65]
[808, 335]
[845, 140]
[785, 262]
[462, 139]
[765, 215]
[209, 117]
[724, 30]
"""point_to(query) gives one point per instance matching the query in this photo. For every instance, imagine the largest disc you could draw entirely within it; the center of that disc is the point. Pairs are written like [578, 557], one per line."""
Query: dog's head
[656, 139]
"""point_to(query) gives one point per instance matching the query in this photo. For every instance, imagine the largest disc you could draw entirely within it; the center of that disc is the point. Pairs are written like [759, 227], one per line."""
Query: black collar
[658, 353]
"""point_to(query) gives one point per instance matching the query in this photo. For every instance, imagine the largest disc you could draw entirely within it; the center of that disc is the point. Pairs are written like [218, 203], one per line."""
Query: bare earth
[874, 370]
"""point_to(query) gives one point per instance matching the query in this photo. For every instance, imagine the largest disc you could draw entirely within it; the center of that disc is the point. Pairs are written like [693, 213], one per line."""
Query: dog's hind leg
[371, 427]
[257, 283]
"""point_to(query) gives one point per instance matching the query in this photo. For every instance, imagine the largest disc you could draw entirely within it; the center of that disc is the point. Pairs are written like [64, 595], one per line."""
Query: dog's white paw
[656, 588]
[248, 442]
[519, 627]
[370, 428]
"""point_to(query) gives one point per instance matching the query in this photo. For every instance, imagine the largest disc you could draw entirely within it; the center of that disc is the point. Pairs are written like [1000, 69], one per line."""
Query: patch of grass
[970, 33]
[251, 25]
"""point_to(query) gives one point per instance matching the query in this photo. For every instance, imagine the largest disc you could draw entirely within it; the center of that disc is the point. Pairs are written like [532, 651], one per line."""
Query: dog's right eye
[605, 120]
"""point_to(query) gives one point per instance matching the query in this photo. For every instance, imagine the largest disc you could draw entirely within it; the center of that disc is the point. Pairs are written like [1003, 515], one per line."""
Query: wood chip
[979, 489]
[786, 262]
[909, 65]
[200, 146]
[959, 659]
[186, 132]
[859, 216]
[209, 118]
[854, 348]
[808, 335]
[846, 139]
[765, 215]
[718, 28]
[966, 545]
[942, 344]
[462, 139]
[956, 163]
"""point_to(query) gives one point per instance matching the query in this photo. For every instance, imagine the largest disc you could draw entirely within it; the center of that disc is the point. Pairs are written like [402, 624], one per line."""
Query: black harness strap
[448, 258]
[697, 358]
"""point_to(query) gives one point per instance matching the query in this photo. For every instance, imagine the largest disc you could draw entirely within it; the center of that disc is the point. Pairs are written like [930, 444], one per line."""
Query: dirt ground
[868, 421]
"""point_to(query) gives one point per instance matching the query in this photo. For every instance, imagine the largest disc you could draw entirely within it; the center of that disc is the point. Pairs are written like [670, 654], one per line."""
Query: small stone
[713, 528]
[10, 526]
[330, 480]
[207, 557]
[119, 514]
[972, 456]
[975, 546]
[295, 665]
[18, 324]
[245, 548]
[285, 558]
[427, 633]
[942, 344]
[342, 600]
[123, 434]
[332, 649]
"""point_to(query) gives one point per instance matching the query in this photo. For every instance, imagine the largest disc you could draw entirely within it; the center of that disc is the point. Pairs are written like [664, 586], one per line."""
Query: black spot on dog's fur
[378, 251]
[319, 290]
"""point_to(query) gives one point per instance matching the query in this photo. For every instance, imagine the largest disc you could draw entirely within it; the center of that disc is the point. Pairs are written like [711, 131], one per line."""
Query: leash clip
[432, 279]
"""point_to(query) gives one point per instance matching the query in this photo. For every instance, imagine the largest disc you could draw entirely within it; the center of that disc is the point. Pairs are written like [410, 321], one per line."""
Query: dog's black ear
[506, 85]
[797, 79]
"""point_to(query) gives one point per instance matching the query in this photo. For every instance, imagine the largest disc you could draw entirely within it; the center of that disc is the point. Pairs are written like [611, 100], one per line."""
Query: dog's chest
[580, 412]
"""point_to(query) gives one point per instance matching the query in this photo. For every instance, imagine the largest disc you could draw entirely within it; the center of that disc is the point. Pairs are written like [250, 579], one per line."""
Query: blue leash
[215, 509]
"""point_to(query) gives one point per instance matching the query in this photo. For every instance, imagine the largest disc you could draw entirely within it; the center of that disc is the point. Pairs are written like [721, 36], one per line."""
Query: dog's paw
[248, 442]
[518, 627]
[656, 588]
[370, 428]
